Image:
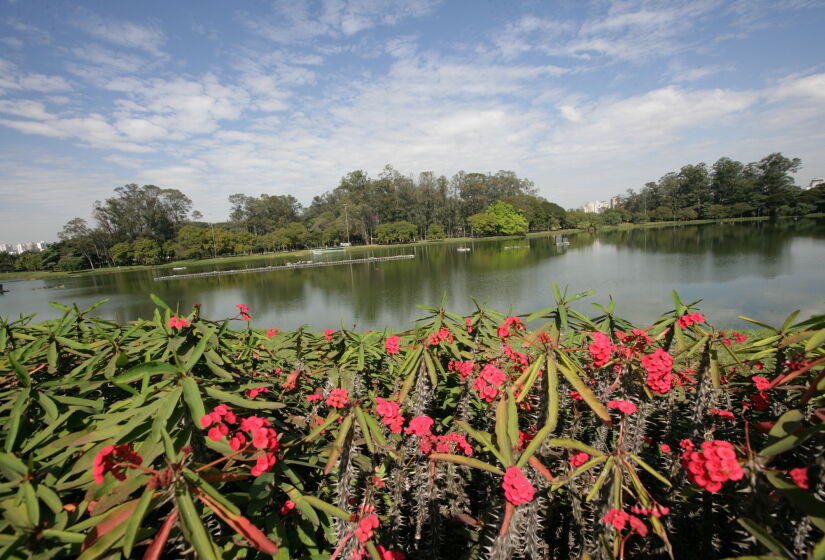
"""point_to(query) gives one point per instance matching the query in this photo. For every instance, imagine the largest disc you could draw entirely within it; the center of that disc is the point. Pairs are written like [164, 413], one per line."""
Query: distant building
[41, 245]
[815, 183]
[598, 206]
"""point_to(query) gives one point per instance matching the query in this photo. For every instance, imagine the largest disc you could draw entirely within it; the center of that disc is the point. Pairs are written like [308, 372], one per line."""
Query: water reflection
[758, 269]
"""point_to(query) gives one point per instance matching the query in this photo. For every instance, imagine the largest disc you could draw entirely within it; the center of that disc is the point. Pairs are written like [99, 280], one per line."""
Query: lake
[759, 269]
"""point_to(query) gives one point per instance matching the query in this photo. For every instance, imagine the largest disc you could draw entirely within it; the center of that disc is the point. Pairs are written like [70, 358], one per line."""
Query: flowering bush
[179, 437]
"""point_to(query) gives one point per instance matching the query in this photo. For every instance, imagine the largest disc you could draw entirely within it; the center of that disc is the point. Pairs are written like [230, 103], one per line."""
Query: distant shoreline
[38, 275]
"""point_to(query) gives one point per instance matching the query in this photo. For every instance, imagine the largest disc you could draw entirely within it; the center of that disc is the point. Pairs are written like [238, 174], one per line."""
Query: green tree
[147, 251]
[717, 212]
[508, 220]
[483, 224]
[193, 242]
[435, 231]
[29, 261]
[122, 253]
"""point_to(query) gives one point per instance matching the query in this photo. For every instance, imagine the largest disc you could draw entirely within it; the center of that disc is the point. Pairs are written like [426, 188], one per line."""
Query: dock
[288, 266]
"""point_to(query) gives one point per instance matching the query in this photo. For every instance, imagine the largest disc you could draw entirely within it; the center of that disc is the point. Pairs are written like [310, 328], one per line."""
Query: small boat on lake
[179, 268]
[325, 251]
[463, 249]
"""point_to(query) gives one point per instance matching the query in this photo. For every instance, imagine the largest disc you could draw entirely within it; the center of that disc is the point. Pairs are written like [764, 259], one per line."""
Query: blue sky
[586, 99]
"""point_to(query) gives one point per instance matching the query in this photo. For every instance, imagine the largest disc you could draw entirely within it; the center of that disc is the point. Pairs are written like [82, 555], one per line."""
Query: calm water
[760, 270]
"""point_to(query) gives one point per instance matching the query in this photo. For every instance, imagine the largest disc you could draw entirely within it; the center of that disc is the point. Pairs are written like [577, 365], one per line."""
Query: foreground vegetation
[466, 437]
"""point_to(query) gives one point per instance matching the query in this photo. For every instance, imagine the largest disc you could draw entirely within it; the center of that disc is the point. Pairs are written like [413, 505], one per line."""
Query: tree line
[149, 225]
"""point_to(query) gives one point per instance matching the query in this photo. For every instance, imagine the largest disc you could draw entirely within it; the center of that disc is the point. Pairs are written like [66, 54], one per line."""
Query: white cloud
[148, 38]
[293, 21]
[12, 42]
[12, 78]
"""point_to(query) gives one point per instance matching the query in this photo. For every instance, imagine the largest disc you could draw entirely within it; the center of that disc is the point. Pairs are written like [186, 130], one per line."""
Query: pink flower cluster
[443, 334]
[176, 322]
[601, 349]
[390, 413]
[619, 519]
[462, 368]
[393, 344]
[262, 435]
[328, 334]
[690, 318]
[216, 419]
[448, 443]
[510, 322]
[626, 407]
[488, 382]
[338, 398]
[656, 511]
[800, 477]
[252, 393]
[366, 524]
[762, 383]
[112, 459]
[243, 311]
[578, 459]
[713, 465]
[420, 426]
[517, 489]
[727, 415]
[659, 366]
[516, 357]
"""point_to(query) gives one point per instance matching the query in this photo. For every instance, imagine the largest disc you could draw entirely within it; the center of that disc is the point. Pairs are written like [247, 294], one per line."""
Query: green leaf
[650, 469]
[764, 537]
[194, 527]
[232, 398]
[815, 341]
[329, 509]
[135, 520]
[22, 373]
[799, 497]
[160, 303]
[197, 352]
[9, 461]
[467, 461]
[17, 412]
[32, 504]
[505, 446]
[585, 393]
[147, 368]
[303, 505]
[365, 430]
[192, 396]
[484, 438]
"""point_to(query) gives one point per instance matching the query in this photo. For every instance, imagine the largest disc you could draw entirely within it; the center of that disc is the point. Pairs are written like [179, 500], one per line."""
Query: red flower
[600, 349]
[626, 407]
[722, 414]
[463, 368]
[439, 337]
[338, 398]
[638, 525]
[659, 366]
[617, 518]
[800, 477]
[271, 332]
[252, 393]
[243, 311]
[393, 344]
[686, 444]
[578, 459]
[664, 448]
[388, 554]
[111, 459]
[517, 489]
[391, 414]
[576, 396]
[713, 465]
[364, 532]
[328, 334]
[762, 383]
[493, 375]
[176, 322]
[687, 320]
[420, 426]
[504, 328]
[288, 506]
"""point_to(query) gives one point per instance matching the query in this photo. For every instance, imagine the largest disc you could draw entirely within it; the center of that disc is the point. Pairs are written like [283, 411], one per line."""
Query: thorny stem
[225, 458]
[341, 545]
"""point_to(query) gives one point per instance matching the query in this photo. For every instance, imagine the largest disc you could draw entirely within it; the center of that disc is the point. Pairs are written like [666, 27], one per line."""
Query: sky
[586, 99]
